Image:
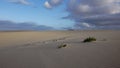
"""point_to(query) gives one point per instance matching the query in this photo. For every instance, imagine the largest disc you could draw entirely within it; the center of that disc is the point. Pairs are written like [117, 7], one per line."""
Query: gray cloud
[9, 25]
[104, 20]
[87, 13]
[94, 13]
[100, 13]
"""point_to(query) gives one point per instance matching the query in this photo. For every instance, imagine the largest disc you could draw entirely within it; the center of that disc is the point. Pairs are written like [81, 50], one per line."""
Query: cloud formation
[98, 13]
[87, 13]
[23, 2]
[52, 3]
[47, 5]
[10, 25]
[93, 13]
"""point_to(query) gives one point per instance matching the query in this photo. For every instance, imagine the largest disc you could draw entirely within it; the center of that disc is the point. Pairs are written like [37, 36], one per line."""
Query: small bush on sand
[89, 39]
[63, 45]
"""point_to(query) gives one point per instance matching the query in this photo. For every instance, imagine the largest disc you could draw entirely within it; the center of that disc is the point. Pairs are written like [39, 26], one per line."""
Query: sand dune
[19, 38]
[40, 49]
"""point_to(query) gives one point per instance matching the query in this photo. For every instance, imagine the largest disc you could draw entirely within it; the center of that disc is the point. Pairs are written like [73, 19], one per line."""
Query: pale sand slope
[17, 50]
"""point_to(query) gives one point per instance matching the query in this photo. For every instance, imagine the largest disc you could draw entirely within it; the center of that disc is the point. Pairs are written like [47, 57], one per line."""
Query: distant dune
[39, 49]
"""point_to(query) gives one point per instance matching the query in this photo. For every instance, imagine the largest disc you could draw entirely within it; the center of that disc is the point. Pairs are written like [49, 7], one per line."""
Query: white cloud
[47, 5]
[86, 25]
[24, 2]
[52, 3]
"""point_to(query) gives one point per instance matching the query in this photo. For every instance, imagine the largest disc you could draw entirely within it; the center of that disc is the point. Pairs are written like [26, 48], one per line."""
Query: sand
[32, 49]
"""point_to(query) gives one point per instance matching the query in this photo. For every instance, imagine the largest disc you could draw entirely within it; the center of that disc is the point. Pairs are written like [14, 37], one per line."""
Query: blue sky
[59, 14]
[35, 13]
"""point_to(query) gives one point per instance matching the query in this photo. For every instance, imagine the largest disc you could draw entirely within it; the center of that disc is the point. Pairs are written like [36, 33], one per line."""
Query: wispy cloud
[10, 25]
[23, 2]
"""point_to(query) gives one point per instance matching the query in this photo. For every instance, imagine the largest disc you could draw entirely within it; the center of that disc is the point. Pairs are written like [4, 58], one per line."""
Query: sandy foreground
[40, 49]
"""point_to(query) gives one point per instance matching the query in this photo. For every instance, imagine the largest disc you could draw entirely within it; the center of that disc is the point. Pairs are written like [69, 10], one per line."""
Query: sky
[59, 14]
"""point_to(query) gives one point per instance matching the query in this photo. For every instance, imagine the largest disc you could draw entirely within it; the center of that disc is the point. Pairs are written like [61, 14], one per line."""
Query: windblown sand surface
[40, 49]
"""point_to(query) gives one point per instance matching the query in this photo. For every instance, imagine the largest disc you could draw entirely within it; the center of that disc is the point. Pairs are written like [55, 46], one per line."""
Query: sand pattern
[103, 53]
